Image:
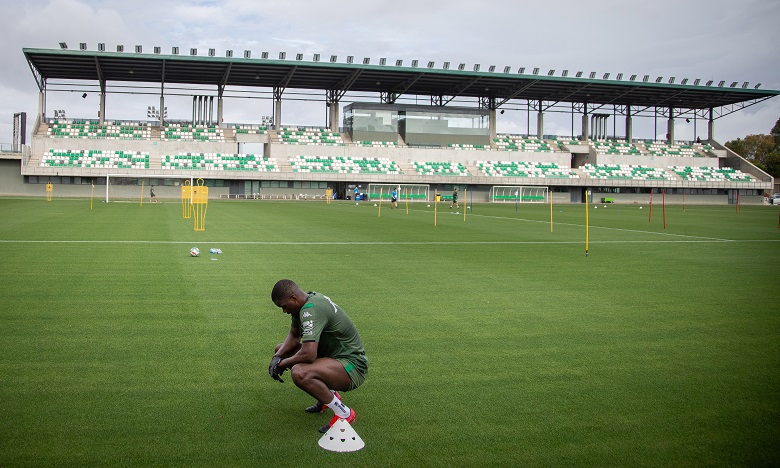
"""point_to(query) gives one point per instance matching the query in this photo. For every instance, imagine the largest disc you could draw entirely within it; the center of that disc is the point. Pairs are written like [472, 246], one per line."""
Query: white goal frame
[139, 177]
[519, 194]
[407, 192]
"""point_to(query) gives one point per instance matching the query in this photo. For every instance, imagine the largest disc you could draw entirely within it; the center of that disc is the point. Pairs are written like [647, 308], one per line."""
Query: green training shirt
[323, 321]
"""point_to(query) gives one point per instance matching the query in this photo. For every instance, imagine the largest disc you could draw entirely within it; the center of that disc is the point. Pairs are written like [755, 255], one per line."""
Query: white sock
[340, 409]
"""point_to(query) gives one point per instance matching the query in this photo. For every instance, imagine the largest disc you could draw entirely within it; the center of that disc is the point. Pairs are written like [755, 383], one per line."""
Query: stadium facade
[385, 124]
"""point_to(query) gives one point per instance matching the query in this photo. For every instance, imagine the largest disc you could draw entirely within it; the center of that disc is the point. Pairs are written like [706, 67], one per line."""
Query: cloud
[707, 39]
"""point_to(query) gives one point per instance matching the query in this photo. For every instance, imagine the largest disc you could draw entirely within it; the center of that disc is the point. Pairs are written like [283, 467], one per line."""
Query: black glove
[273, 369]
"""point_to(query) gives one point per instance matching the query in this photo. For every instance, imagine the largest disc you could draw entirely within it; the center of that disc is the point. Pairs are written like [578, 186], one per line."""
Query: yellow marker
[549, 194]
[379, 211]
[465, 203]
[49, 189]
[186, 200]
[587, 225]
[200, 202]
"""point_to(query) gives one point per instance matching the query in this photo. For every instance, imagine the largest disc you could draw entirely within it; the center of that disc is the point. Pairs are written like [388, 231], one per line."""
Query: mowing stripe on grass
[704, 240]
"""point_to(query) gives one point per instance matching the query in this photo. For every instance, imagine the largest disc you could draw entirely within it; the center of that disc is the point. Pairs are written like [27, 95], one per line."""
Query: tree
[761, 150]
[775, 132]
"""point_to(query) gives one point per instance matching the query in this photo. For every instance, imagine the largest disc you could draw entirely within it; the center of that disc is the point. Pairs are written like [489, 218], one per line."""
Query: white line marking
[683, 241]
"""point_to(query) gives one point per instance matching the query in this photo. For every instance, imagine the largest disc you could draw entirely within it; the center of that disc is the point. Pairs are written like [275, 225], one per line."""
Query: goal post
[125, 186]
[406, 192]
[518, 194]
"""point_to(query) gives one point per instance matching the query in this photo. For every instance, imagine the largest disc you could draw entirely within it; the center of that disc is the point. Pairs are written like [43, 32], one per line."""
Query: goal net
[406, 192]
[126, 187]
[518, 194]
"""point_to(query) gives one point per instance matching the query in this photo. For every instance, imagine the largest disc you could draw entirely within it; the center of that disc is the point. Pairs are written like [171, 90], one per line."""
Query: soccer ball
[194, 252]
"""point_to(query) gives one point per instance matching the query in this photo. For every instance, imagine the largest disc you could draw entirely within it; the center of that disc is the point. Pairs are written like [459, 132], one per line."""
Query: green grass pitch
[492, 342]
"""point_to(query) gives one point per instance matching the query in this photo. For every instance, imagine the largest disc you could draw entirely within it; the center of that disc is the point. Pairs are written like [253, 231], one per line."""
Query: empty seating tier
[615, 147]
[342, 165]
[220, 162]
[377, 144]
[441, 168]
[187, 132]
[662, 148]
[525, 169]
[464, 146]
[522, 143]
[310, 136]
[93, 129]
[711, 174]
[248, 129]
[624, 172]
[96, 159]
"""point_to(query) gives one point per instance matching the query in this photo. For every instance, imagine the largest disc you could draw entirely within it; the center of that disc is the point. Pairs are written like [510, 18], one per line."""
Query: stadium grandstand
[376, 130]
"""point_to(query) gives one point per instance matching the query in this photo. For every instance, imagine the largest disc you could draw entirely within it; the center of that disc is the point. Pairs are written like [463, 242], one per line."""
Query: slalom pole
[142, 193]
[406, 191]
[737, 201]
[379, 211]
[465, 192]
[549, 194]
[435, 205]
[587, 223]
[663, 204]
[650, 216]
[517, 199]
[92, 195]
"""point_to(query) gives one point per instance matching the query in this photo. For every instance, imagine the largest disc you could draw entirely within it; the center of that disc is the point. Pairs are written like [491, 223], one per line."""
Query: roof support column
[540, 122]
[162, 110]
[711, 127]
[585, 128]
[41, 107]
[220, 103]
[332, 101]
[102, 110]
[670, 127]
[629, 125]
[278, 108]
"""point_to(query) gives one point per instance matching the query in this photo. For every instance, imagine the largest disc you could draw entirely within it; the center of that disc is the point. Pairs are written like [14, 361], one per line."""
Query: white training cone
[341, 437]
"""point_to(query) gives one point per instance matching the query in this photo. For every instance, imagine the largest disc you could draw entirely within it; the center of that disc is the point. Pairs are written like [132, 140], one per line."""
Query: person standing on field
[152, 196]
[455, 199]
[323, 350]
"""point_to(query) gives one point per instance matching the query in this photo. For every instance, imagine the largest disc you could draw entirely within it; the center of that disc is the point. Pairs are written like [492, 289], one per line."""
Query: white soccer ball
[640, 207]
[194, 252]
[429, 206]
[595, 207]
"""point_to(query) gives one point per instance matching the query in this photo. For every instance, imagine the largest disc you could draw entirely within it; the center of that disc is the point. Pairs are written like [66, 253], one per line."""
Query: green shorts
[357, 371]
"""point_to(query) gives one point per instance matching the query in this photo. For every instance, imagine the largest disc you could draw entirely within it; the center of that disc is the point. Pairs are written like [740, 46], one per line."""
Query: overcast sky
[708, 39]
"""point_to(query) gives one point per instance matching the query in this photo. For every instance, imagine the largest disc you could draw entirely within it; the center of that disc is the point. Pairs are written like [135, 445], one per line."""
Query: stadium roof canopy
[496, 87]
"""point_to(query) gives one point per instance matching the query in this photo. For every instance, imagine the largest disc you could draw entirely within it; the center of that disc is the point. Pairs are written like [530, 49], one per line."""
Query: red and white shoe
[320, 407]
[349, 419]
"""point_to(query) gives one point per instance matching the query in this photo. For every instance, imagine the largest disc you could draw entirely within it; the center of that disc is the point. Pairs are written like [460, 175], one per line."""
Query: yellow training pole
[465, 203]
[379, 211]
[587, 225]
[91, 194]
[435, 205]
[549, 194]
[142, 194]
